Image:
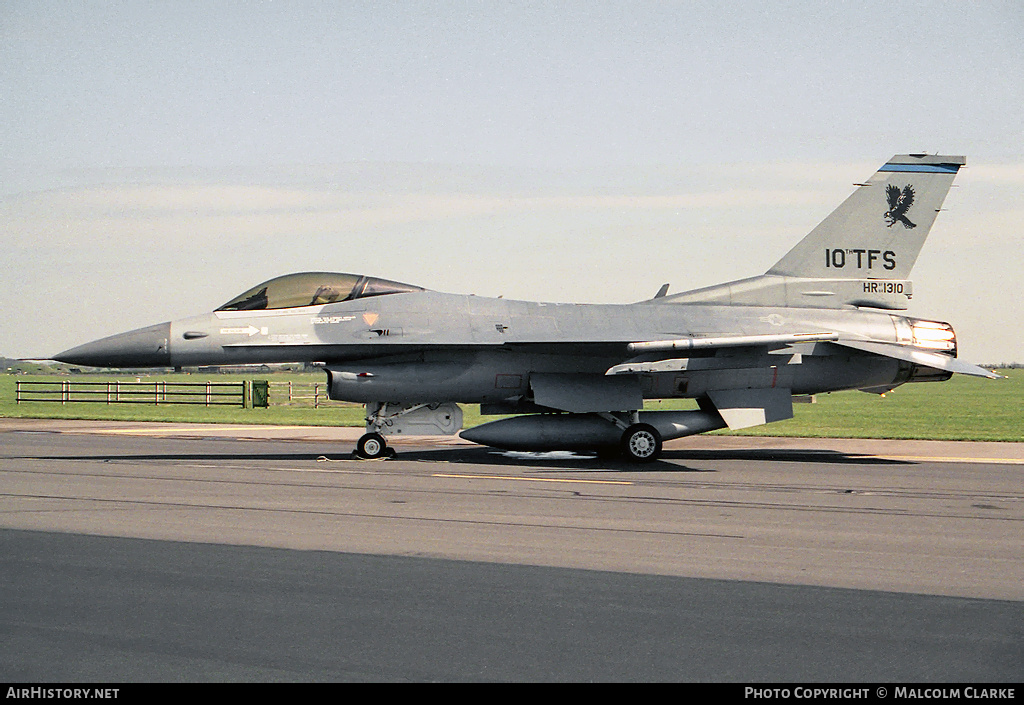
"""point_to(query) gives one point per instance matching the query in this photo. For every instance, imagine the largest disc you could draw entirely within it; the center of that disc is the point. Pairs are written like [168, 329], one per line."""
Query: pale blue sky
[559, 151]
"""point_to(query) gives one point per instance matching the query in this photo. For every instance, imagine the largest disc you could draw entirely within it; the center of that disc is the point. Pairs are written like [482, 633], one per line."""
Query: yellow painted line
[941, 459]
[532, 479]
[189, 429]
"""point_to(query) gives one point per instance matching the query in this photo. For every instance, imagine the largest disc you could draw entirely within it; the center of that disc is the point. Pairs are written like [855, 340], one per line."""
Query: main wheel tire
[372, 445]
[641, 443]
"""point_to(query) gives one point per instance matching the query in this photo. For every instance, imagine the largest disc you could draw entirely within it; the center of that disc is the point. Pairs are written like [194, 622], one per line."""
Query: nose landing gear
[372, 446]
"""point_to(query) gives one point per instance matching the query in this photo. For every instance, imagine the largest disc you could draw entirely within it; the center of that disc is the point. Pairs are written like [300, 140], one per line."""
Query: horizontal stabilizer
[936, 360]
[742, 408]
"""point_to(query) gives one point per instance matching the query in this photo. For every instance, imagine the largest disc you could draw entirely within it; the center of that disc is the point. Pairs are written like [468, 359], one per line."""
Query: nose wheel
[372, 446]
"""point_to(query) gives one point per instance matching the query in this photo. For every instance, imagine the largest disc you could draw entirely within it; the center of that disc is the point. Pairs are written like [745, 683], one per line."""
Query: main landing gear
[641, 443]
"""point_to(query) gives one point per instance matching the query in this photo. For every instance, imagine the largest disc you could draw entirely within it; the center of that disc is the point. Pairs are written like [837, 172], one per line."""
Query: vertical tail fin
[879, 230]
[861, 254]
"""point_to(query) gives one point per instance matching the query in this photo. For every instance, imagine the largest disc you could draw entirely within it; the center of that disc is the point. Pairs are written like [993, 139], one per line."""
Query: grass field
[964, 408]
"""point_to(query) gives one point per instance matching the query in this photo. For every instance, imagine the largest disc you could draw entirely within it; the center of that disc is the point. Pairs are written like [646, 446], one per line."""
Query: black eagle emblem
[899, 203]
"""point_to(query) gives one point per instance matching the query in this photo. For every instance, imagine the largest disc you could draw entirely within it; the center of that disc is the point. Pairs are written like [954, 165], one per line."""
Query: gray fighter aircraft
[574, 376]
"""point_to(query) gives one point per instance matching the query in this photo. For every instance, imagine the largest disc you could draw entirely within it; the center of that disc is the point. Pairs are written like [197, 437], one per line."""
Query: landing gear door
[413, 419]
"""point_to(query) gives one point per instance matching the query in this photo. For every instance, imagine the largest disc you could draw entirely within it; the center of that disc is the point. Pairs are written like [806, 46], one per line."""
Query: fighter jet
[825, 317]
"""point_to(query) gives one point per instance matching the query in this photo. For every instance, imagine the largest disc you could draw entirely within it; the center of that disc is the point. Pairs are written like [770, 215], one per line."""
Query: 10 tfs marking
[865, 259]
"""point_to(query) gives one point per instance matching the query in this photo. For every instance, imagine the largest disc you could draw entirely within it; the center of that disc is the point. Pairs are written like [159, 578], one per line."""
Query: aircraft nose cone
[145, 347]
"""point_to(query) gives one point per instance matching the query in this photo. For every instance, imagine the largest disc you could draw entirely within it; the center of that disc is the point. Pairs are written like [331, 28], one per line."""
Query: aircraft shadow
[561, 460]
[670, 461]
[462, 456]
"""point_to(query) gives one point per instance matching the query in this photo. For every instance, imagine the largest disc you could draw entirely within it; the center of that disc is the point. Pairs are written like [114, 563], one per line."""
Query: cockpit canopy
[313, 289]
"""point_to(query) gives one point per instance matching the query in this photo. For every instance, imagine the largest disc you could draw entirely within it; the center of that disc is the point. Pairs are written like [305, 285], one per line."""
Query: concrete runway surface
[166, 552]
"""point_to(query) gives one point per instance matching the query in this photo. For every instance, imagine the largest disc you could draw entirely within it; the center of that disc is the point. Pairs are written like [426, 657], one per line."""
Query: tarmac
[144, 551]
